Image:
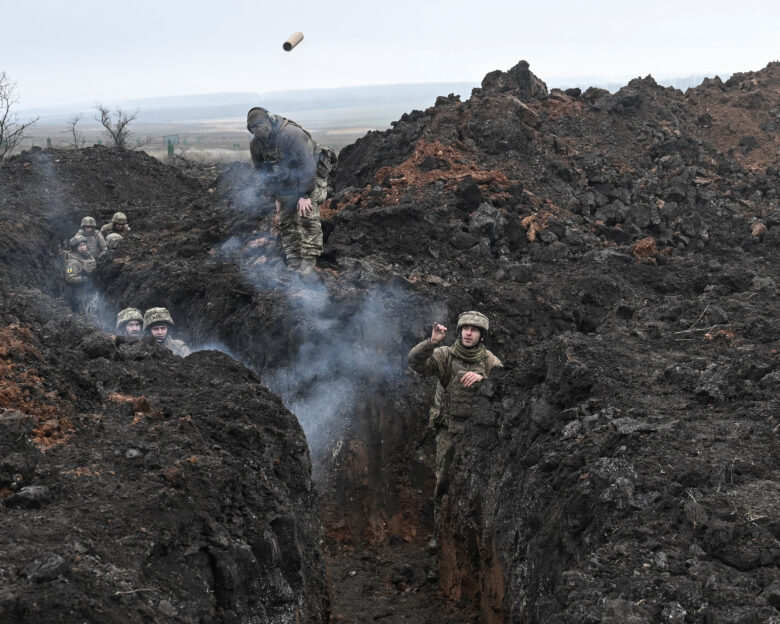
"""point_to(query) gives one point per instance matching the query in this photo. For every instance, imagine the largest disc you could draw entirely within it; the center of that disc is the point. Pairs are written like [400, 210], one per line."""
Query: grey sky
[89, 50]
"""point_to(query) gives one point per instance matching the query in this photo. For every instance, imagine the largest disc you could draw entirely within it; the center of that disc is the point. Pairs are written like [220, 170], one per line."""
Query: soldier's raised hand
[438, 333]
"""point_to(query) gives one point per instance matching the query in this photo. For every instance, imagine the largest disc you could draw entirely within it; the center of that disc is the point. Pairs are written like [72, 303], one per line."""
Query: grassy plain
[223, 140]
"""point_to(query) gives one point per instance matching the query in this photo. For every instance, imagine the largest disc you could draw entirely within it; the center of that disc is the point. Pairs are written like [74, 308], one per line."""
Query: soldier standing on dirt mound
[129, 322]
[459, 369]
[79, 265]
[95, 241]
[117, 225]
[157, 321]
[294, 171]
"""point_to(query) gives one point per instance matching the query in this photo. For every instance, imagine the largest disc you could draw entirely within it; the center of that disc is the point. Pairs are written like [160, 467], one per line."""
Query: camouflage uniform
[95, 242]
[109, 228]
[452, 402]
[286, 158]
[78, 269]
[177, 346]
[154, 316]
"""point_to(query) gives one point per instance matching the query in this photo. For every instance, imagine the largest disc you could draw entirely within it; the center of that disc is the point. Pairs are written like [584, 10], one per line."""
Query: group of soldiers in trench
[84, 248]
[293, 169]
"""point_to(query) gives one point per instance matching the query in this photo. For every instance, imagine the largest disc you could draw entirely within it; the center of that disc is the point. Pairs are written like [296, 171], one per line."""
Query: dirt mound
[137, 486]
[621, 468]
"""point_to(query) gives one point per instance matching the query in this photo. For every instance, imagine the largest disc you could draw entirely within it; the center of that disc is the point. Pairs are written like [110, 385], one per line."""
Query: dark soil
[622, 467]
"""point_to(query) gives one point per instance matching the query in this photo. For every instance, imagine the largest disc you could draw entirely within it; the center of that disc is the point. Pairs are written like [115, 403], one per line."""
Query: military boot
[293, 264]
[306, 266]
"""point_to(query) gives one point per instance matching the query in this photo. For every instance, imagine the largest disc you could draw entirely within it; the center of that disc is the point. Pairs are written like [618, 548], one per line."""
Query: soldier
[157, 321]
[79, 265]
[118, 225]
[128, 322]
[294, 170]
[459, 370]
[95, 241]
[113, 240]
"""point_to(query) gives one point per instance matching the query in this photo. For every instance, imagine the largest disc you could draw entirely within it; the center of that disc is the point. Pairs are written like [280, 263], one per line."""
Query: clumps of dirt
[23, 388]
[619, 468]
[430, 162]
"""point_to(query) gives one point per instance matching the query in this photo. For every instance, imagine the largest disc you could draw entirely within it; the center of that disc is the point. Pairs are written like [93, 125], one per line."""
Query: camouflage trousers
[446, 437]
[301, 236]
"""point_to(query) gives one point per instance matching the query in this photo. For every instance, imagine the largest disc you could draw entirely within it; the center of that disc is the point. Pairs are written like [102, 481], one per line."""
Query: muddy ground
[622, 467]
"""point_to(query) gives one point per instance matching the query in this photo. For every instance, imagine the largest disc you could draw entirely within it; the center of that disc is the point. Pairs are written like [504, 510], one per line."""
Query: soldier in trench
[129, 323]
[95, 242]
[117, 225]
[293, 169]
[113, 240]
[79, 265]
[459, 370]
[158, 321]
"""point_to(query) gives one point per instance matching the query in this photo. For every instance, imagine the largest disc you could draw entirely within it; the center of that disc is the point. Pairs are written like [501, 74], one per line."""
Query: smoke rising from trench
[348, 350]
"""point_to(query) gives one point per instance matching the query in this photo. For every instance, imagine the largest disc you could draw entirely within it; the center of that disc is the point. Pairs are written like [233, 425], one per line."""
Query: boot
[306, 266]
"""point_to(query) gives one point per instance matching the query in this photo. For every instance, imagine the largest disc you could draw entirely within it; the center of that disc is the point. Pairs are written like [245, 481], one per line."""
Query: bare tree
[78, 139]
[12, 132]
[116, 125]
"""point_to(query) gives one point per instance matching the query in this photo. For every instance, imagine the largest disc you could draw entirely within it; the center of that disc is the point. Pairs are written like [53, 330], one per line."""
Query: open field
[224, 140]
[212, 126]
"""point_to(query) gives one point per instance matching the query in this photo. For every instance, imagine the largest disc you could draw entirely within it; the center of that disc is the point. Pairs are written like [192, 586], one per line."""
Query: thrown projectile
[293, 41]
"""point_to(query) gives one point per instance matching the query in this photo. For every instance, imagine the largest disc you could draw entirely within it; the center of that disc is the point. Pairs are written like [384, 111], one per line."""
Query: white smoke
[348, 350]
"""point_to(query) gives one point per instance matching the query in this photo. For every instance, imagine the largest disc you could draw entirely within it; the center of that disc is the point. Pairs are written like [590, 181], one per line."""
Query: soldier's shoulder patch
[70, 269]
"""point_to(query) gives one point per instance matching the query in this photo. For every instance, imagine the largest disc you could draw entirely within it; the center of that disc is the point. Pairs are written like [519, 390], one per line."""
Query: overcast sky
[87, 50]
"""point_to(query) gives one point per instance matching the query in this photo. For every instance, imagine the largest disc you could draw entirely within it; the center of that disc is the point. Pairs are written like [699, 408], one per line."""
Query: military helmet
[88, 222]
[119, 217]
[127, 315]
[156, 315]
[76, 241]
[477, 319]
[255, 115]
[113, 239]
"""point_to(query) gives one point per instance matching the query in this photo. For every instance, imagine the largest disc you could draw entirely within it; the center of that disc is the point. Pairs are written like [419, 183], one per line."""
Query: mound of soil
[622, 467]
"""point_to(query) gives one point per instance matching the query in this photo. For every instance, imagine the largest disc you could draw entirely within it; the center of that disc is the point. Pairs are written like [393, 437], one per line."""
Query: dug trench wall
[621, 467]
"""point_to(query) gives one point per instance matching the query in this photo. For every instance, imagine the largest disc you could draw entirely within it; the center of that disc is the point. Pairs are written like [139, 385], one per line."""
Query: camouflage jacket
[176, 346]
[95, 243]
[429, 360]
[286, 160]
[78, 268]
[108, 228]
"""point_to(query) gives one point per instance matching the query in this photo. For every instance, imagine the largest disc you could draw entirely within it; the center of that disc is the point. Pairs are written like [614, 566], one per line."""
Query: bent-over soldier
[294, 170]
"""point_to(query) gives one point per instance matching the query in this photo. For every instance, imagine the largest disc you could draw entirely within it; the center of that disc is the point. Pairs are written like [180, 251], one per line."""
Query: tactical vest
[324, 156]
[457, 399]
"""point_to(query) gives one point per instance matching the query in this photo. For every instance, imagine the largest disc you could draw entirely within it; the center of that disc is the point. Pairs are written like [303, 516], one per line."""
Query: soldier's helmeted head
[119, 221]
[258, 122]
[129, 322]
[88, 224]
[78, 244]
[473, 326]
[113, 239]
[156, 322]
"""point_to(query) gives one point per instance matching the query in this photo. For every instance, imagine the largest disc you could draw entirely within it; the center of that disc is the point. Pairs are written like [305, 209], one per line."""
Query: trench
[373, 467]
[373, 464]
